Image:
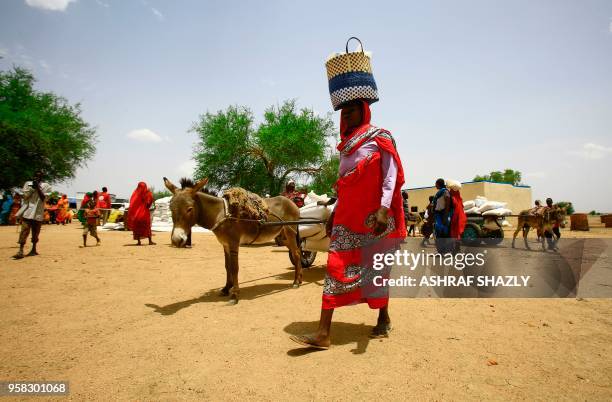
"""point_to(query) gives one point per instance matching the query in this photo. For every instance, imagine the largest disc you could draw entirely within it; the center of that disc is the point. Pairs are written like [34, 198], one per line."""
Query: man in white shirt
[32, 212]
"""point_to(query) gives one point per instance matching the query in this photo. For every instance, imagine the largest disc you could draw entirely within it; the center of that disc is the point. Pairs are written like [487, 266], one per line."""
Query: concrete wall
[517, 197]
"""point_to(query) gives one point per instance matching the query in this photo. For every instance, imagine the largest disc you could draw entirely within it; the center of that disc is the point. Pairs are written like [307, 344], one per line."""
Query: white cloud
[157, 13]
[593, 151]
[102, 4]
[55, 5]
[45, 66]
[144, 135]
[187, 168]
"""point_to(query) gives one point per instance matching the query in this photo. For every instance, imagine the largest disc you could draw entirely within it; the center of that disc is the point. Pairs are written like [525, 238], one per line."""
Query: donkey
[190, 206]
[542, 222]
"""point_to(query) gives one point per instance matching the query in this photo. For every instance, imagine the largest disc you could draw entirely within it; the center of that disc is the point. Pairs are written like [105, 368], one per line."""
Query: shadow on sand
[343, 333]
[312, 275]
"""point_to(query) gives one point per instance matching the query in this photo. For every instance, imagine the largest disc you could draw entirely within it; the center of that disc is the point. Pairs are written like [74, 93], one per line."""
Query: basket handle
[357, 39]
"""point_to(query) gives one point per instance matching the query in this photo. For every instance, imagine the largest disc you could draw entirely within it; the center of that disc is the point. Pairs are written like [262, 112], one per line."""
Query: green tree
[159, 194]
[569, 208]
[325, 179]
[39, 130]
[232, 152]
[507, 176]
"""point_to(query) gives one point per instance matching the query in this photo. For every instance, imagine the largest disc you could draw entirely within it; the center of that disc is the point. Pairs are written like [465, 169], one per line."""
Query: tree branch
[258, 152]
[304, 170]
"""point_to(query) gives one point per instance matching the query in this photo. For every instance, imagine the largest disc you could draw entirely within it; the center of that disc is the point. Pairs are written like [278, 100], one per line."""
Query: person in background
[91, 221]
[5, 210]
[537, 209]
[47, 213]
[442, 217]
[139, 216]
[294, 195]
[555, 229]
[81, 209]
[427, 228]
[406, 209]
[63, 206]
[52, 209]
[413, 216]
[104, 204]
[458, 218]
[32, 212]
[13, 219]
[69, 215]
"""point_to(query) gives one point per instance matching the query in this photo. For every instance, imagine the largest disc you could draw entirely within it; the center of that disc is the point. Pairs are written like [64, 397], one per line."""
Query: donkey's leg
[525, 233]
[519, 226]
[228, 278]
[294, 249]
[544, 238]
[235, 289]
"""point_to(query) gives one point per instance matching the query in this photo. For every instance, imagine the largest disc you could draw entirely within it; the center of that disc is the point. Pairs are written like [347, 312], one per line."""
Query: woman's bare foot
[381, 330]
[312, 341]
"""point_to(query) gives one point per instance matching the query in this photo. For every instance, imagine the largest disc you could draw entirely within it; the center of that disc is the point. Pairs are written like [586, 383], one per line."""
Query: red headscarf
[139, 217]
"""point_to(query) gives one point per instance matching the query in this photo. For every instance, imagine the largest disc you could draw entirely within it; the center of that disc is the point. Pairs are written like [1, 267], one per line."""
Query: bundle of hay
[243, 204]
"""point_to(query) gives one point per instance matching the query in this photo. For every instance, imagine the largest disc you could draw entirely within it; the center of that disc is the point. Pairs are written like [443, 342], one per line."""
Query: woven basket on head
[350, 77]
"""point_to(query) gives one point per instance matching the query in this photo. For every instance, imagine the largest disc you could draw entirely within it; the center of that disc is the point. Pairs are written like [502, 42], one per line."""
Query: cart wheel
[494, 238]
[308, 258]
[471, 235]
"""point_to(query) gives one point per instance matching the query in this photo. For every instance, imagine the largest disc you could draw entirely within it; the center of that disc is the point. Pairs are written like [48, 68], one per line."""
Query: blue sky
[466, 87]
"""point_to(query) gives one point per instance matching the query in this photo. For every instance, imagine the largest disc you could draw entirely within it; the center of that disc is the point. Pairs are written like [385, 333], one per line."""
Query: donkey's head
[184, 209]
[560, 215]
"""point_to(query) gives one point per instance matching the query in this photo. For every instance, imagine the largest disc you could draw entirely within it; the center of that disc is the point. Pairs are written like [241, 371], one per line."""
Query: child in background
[92, 213]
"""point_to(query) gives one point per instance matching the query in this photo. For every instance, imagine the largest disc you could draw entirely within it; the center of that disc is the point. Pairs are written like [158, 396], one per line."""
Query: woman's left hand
[382, 220]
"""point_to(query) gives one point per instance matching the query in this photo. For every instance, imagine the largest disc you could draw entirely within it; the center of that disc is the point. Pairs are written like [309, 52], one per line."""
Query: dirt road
[146, 323]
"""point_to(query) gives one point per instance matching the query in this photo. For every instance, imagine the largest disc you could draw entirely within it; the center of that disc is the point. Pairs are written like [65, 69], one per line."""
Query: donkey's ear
[169, 185]
[199, 185]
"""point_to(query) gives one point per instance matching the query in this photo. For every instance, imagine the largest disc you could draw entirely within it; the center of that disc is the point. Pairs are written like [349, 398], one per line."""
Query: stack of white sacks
[481, 206]
[161, 213]
[162, 217]
[494, 209]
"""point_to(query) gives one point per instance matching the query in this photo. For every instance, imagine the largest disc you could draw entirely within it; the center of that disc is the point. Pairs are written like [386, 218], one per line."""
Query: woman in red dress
[368, 219]
[139, 216]
[62, 210]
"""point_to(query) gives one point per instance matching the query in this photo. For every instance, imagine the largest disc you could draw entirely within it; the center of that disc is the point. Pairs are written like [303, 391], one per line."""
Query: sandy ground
[145, 323]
